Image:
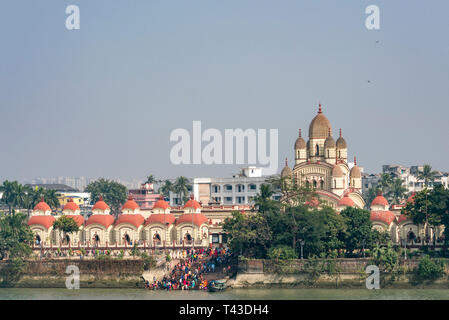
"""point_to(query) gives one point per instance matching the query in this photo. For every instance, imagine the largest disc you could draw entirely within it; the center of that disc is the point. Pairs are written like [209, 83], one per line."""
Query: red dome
[383, 216]
[411, 199]
[100, 205]
[45, 221]
[130, 204]
[346, 201]
[192, 203]
[379, 200]
[71, 205]
[78, 219]
[196, 218]
[134, 219]
[104, 219]
[161, 203]
[313, 202]
[42, 206]
[161, 218]
[402, 217]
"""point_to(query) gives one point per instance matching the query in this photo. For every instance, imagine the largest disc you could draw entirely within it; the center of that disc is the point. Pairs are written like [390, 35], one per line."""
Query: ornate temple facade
[188, 226]
[322, 163]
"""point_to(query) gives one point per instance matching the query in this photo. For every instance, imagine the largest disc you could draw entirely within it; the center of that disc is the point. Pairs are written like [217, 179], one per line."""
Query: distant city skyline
[102, 101]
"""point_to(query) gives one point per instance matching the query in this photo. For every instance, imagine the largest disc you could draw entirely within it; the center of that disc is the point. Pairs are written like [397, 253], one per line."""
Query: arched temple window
[317, 152]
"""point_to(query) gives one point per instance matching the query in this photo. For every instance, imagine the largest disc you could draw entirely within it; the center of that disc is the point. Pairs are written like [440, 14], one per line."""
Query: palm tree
[397, 190]
[13, 195]
[29, 202]
[181, 188]
[8, 194]
[385, 182]
[52, 199]
[369, 196]
[263, 198]
[427, 174]
[166, 188]
[151, 179]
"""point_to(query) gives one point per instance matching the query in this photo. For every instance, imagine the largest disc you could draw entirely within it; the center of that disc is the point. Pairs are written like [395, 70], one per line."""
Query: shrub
[149, 263]
[429, 269]
[386, 258]
[282, 253]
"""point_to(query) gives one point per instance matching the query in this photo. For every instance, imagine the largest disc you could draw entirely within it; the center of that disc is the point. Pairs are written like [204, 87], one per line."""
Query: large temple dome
[320, 126]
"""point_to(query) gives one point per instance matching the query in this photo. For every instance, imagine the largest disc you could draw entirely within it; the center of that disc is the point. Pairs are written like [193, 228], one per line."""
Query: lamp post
[301, 242]
[405, 248]
[363, 247]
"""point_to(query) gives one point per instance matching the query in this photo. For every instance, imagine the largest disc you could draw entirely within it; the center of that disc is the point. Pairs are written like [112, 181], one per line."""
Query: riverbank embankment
[254, 273]
[322, 273]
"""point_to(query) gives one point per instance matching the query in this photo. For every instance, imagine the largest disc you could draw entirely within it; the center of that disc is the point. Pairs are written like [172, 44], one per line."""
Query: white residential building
[240, 189]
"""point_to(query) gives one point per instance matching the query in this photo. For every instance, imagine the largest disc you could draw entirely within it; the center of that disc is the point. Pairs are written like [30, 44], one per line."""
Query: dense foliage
[297, 222]
[430, 269]
[66, 225]
[430, 207]
[17, 196]
[15, 237]
[113, 193]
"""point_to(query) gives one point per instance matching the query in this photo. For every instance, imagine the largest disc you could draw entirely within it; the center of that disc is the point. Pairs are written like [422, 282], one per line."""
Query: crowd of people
[189, 273]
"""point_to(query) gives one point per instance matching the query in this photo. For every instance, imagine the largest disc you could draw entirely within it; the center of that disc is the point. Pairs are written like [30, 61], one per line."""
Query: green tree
[282, 253]
[263, 201]
[359, 231]
[429, 269]
[151, 179]
[113, 193]
[427, 174]
[166, 188]
[248, 234]
[430, 207]
[15, 237]
[52, 199]
[385, 182]
[65, 225]
[13, 195]
[386, 258]
[420, 209]
[181, 188]
[397, 191]
[369, 196]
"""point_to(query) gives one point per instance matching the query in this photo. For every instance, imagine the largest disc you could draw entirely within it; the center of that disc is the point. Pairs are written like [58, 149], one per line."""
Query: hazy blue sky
[102, 101]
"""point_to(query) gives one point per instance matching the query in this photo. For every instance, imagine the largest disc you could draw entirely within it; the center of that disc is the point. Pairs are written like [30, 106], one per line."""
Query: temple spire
[355, 161]
[300, 132]
[340, 132]
[319, 108]
[286, 162]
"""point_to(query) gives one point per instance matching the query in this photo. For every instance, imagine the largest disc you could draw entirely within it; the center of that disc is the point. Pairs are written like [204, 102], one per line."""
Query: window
[240, 188]
[317, 153]
[252, 187]
[215, 188]
[240, 199]
[321, 184]
[228, 188]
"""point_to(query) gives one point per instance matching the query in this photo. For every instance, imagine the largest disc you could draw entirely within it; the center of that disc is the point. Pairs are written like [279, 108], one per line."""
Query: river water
[230, 294]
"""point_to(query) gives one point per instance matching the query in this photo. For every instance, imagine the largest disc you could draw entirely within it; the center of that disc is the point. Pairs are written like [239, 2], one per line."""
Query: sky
[102, 101]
